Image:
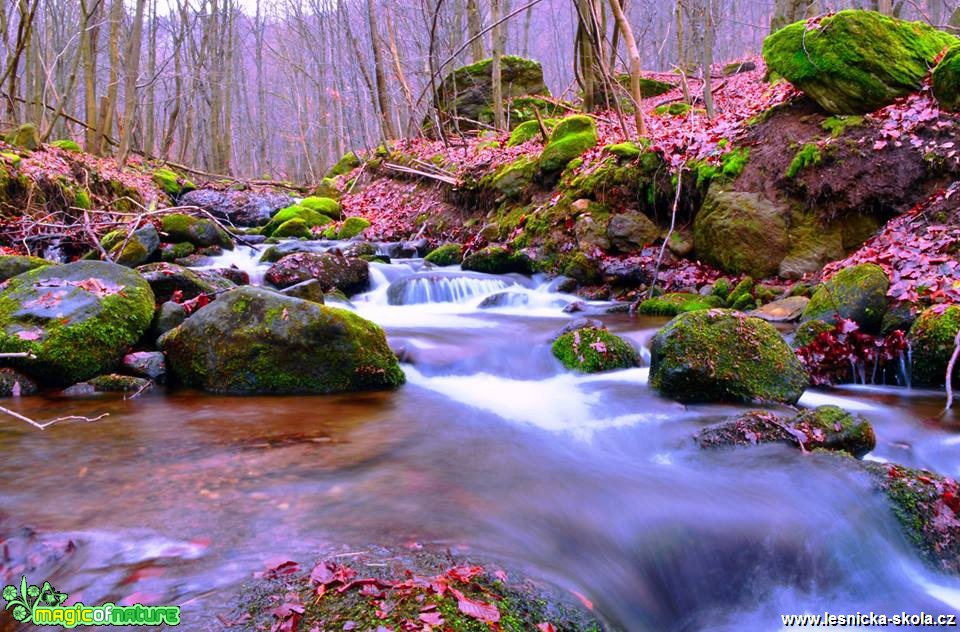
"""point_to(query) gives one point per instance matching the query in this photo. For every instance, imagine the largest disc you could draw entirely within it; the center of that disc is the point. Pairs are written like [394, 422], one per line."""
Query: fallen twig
[44, 425]
[663, 246]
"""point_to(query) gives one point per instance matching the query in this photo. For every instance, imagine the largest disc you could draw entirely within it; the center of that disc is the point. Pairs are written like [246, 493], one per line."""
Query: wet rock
[279, 251]
[785, 310]
[574, 325]
[419, 246]
[445, 255]
[199, 231]
[222, 276]
[169, 316]
[359, 249]
[594, 350]
[309, 290]
[350, 275]
[243, 208]
[12, 265]
[111, 383]
[900, 316]
[77, 319]
[168, 278]
[252, 340]
[497, 260]
[151, 365]
[931, 340]
[173, 253]
[562, 284]
[14, 383]
[133, 250]
[630, 232]
[722, 355]
[857, 293]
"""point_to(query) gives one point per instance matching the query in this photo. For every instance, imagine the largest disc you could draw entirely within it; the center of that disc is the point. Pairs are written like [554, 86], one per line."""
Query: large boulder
[131, 249]
[630, 232]
[252, 340]
[854, 62]
[310, 218]
[723, 355]
[76, 319]
[812, 245]
[594, 350]
[570, 138]
[741, 233]
[946, 80]
[168, 279]
[12, 265]
[198, 231]
[350, 275]
[466, 94]
[243, 208]
[857, 293]
[932, 339]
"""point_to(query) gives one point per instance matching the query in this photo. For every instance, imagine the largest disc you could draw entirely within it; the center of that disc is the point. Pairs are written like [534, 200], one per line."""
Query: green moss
[326, 206]
[854, 62]
[721, 289]
[445, 255]
[171, 252]
[808, 331]
[672, 109]
[345, 165]
[352, 226]
[678, 303]
[11, 158]
[838, 125]
[497, 260]
[293, 228]
[529, 130]
[931, 341]
[67, 145]
[310, 218]
[857, 293]
[946, 80]
[625, 151]
[512, 179]
[720, 355]
[571, 137]
[82, 200]
[593, 350]
[170, 183]
[808, 156]
[730, 165]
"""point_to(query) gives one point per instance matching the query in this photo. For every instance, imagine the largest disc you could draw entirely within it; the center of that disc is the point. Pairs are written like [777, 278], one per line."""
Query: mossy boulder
[946, 80]
[12, 265]
[310, 218]
[932, 339]
[252, 340]
[25, 136]
[741, 232]
[466, 94]
[512, 179]
[293, 228]
[240, 208]
[171, 253]
[854, 62]
[812, 246]
[808, 331]
[857, 293]
[528, 130]
[76, 319]
[347, 163]
[172, 184]
[722, 355]
[826, 427]
[131, 249]
[678, 303]
[110, 383]
[570, 138]
[630, 232]
[168, 279]
[352, 226]
[323, 205]
[497, 260]
[199, 231]
[445, 255]
[594, 350]
[67, 145]
[625, 151]
[350, 275]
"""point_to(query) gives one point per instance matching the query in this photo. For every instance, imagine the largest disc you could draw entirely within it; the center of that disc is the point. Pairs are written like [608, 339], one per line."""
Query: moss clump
[445, 255]
[171, 252]
[497, 260]
[594, 350]
[946, 80]
[570, 138]
[325, 206]
[857, 293]
[81, 199]
[199, 231]
[327, 188]
[66, 145]
[171, 184]
[625, 151]
[26, 136]
[76, 319]
[309, 217]
[512, 179]
[730, 166]
[347, 163]
[931, 341]
[114, 383]
[808, 156]
[721, 355]
[808, 331]
[678, 303]
[293, 228]
[528, 130]
[854, 62]
[838, 125]
[352, 226]
[672, 109]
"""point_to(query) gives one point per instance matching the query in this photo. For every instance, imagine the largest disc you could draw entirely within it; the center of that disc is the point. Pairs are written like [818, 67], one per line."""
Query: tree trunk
[130, 81]
[109, 102]
[473, 30]
[496, 74]
[635, 64]
[383, 99]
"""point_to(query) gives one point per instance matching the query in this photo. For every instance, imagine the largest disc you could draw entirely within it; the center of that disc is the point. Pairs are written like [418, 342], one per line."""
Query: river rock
[111, 383]
[594, 350]
[252, 340]
[857, 293]
[133, 250]
[243, 208]
[931, 340]
[198, 231]
[168, 316]
[497, 260]
[574, 325]
[723, 355]
[167, 278]
[445, 255]
[149, 364]
[785, 310]
[12, 265]
[13, 383]
[309, 290]
[630, 232]
[350, 275]
[77, 319]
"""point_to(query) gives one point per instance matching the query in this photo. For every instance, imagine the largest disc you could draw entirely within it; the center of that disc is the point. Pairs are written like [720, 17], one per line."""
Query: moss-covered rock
[445, 255]
[198, 231]
[497, 260]
[740, 232]
[625, 151]
[12, 265]
[348, 274]
[946, 80]
[854, 62]
[812, 246]
[347, 163]
[311, 218]
[293, 228]
[323, 205]
[570, 138]
[678, 303]
[672, 109]
[76, 319]
[67, 145]
[25, 136]
[808, 331]
[857, 293]
[171, 253]
[110, 383]
[352, 226]
[932, 342]
[131, 249]
[722, 355]
[512, 179]
[631, 231]
[167, 279]
[252, 340]
[172, 184]
[594, 350]
[528, 130]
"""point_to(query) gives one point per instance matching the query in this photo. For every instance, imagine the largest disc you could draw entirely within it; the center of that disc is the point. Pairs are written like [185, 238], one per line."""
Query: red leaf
[431, 618]
[477, 609]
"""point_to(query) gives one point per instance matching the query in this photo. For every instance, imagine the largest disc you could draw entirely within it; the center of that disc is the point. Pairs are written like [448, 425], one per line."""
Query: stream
[492, 447]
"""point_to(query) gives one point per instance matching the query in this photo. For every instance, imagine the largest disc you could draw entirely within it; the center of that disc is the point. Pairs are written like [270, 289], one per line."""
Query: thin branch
[44, 425]
[950, 365]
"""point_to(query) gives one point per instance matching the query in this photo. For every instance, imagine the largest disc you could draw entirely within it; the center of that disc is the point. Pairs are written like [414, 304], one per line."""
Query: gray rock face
[630, 232]
[149, 364]
[243, 208]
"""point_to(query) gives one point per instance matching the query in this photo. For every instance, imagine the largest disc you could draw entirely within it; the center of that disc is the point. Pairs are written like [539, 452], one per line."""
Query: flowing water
[589, 482]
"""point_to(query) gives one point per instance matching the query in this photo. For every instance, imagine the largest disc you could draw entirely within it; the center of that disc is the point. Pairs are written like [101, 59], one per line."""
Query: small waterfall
[244, 258]
[442, 288]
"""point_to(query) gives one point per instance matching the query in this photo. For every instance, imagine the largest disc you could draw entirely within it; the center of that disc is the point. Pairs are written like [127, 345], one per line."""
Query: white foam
[812, 399]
